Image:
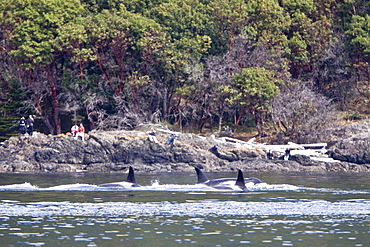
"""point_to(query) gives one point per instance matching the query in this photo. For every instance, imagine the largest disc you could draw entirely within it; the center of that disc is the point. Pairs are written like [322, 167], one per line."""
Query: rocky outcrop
[355, 149]
[352, 143]
[114, 151]
[103, 152]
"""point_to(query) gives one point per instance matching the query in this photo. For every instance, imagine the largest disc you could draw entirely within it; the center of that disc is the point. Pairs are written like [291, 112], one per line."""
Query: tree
[308, 34]
[230, 18]
[201, 99]
[359, 42]
[254, 88]
[123, 46]
[31, 28]
[186, 23]
[332, 75]
[301, 113]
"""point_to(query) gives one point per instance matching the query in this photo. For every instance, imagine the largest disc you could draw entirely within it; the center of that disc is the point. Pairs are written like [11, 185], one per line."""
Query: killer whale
[226, 183]
[129, 182]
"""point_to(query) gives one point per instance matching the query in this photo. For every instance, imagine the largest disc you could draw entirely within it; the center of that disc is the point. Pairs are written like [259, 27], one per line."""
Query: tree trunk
[203, 122]
[165, 96]
[260, 123]
[220, 118]
[58, 127]
[51, 73]
[48, 124]
[239, 118]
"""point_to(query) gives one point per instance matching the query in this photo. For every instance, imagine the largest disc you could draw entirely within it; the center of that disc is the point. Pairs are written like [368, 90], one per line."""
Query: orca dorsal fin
[131, 176]
[201, 177]
[240, 180]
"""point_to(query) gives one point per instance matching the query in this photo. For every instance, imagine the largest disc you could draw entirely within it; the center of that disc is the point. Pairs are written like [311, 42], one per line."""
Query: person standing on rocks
[30, 122]
[22, 126]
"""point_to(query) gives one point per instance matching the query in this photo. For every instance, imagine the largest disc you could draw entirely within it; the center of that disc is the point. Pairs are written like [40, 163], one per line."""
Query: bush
[303, 113]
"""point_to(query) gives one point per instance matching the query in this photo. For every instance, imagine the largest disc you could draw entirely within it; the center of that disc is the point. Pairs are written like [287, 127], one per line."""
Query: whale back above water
[226, 183]
[240, 180]
[129, 182]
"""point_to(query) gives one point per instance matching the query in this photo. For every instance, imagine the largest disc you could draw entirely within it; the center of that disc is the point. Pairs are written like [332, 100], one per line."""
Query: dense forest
[288, 66]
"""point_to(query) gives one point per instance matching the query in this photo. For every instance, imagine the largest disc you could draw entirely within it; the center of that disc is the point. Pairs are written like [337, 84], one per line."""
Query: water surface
[170, 209]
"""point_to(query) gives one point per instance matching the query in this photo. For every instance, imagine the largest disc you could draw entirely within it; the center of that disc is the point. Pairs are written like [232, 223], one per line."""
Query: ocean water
[169, 209]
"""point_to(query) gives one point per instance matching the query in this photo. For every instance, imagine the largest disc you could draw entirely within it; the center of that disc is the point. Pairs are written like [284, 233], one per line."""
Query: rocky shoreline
[115, 151]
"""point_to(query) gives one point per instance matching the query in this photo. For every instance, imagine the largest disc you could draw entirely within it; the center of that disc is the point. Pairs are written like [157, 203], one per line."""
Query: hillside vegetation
[286, 66]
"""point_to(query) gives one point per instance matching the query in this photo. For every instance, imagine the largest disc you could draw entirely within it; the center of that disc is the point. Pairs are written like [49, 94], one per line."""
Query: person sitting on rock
[214, 149]
[74, 130]
[287, 154]
[81, 132]
[171, 139]
[152, 136]
[270, 156]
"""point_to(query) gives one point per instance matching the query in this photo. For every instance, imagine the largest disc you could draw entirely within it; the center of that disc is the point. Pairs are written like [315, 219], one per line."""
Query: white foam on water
[156, 186]
[19, 187]
[71, 187]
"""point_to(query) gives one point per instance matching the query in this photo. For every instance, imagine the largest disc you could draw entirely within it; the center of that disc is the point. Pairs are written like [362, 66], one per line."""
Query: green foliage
[298, 48]
[229, 18]
[12, 97]
[11, 109]
[8, 128]
[299, 5]
[352, 115]
[187, 22]
[100, 56]
[359, 32]
[253, 87]
[33, 28]
[270, 21]
[73, 38]
[309, 32]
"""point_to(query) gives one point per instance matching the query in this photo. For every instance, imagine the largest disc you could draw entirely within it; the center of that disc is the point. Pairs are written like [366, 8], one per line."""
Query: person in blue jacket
[22, 126]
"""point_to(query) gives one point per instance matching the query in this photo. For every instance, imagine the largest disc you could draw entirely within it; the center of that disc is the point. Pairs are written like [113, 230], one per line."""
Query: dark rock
[265, 165]
[245, 153]
[355, 149]
[229, 156]
[301, 159]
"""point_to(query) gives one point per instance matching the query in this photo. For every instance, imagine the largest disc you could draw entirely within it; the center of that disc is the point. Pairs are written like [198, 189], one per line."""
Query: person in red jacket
[81, 132]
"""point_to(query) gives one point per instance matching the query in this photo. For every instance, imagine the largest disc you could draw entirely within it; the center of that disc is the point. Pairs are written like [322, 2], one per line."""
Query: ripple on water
[191, 209]
[201, 230]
